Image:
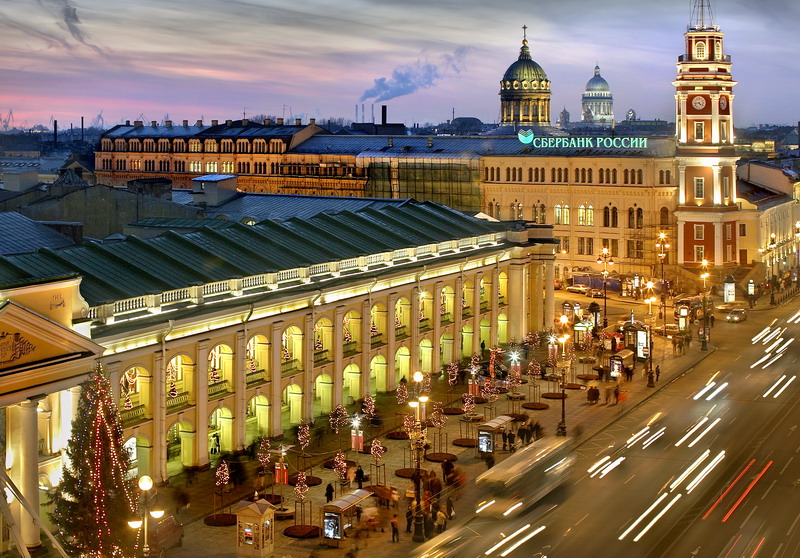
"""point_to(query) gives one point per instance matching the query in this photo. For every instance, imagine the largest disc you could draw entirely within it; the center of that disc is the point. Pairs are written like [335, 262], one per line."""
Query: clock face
[699, 102]
[723, 103]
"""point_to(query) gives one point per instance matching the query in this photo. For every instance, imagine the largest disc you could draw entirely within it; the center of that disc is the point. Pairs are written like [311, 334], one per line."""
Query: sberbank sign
[529, 138]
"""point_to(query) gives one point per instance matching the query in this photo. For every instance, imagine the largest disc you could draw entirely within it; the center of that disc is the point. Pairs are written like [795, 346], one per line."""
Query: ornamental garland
[452, 373]
[338, 418]
[534, 368]
[402, 393]
[303, 436]
[368, 407]
[340, 465]
[301, 486]
[489, 390]
[213, 375]
[426, 383]
[377, 450]
[264, 455]
[172, 391]
[437, 418]
[373, 328]
[469, 403]
[223, 474]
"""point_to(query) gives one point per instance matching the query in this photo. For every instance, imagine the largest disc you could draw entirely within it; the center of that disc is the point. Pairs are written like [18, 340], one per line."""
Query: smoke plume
[408, 78]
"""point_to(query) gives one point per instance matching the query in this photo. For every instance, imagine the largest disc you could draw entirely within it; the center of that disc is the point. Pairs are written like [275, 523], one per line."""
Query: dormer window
[718, 50]
[700, 51]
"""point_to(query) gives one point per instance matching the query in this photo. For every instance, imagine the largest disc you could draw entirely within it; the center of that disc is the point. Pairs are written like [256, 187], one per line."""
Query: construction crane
[8, 120]
[98, 121]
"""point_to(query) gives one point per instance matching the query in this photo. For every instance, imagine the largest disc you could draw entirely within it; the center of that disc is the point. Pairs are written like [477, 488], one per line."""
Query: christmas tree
[95, 499]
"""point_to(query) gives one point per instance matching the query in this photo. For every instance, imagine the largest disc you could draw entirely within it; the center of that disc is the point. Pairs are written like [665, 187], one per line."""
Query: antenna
[702, 16]
[244, 112]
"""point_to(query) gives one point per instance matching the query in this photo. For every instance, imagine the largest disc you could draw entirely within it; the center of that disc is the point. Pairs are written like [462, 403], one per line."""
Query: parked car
[164, 534]
[728, 306]
[667, 330]
[595, 293]
[737, 315]
[582, 289]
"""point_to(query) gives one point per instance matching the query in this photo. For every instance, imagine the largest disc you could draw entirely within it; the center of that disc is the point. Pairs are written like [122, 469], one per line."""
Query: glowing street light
[145, 485]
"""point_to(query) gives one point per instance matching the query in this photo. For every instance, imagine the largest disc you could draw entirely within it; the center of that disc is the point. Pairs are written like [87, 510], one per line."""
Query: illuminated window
[699, 232]
[195, 166]
[700, 51]
[565, 215]
[699, 188]
[699, 253]
[718, 50]
[726, 187]
[699, 131]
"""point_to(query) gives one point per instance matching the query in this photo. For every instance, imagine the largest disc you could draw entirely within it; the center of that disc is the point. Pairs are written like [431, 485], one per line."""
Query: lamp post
[662, 246]
[562, 426]
[417, 436]
[704, 275]
[605, 259]
[650, 320]
[145, 485]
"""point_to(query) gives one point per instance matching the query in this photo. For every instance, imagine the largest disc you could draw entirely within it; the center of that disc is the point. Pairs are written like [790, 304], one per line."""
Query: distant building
[525, 92]
[597, 103]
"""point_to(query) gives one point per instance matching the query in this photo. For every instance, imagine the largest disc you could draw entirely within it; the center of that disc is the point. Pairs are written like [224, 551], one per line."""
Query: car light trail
[654, 437]
[638, 436]
[783, 347]
[777, 342]
[641, 517]
[702, 474]
[746, 492]
[790, 320]
[703, 391]
[759, 361]
[776, 384]
[776, 357]
[610, 467]
[758, 547]
[484, 506]
[556, 464]
[771, 336]
[716, 391]
[761, 334]
[505, 540]
[777, 393]
[700, 423]
[523, 540]
[657, 517]
[704, 432]
[689, 470]
[512, 508]
[730, 487]
[600, 462]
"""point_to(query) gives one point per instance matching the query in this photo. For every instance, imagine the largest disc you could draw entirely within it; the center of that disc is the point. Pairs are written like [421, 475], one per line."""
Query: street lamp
[417, 436]
[605, 259]
[650, 300]
[704, 276]
[145, 485]
[562, 426]
[662, 246]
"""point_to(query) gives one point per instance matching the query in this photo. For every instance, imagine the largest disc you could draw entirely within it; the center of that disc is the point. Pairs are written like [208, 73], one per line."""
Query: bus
[525, 477]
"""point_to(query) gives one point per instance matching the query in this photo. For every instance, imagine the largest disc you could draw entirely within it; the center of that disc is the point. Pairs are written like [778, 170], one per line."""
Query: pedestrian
[182, 500]
[712, 319]
[489, 461]
[351, 476]
[329, 492]
[451, 509]
[441, 520]
[190, 474]
[447, 470]
[359, 511]
[522, 431]
[504, 435]
[674, 345]
[616, 394]
[215, 443]
[538, 431]
[511, 440]
[483, 347]
[600, 372]
[658, 372]
[395, 530]
[409, 519]
[428, 525]
[359, 476]
[608, 395]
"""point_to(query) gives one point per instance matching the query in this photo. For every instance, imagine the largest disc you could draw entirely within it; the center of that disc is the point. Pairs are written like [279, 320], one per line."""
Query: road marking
[737, 358]
[787, 464]
[630, 478]
[794, 524]
[768, 489]
[749, 515]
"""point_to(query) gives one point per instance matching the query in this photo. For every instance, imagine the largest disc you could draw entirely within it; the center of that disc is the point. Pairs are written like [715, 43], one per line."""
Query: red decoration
[281, 473]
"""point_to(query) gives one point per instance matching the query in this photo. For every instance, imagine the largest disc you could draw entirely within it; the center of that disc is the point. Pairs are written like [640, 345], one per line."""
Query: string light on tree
[402, 393]
[377, 450]
[301, 486]
[340, 465]
[368, 407]
[223, 474]
[437, 418]
[469, 403]
[172, 391]
[303, 436]
[452, 373]
[264, 452]
[338, 418]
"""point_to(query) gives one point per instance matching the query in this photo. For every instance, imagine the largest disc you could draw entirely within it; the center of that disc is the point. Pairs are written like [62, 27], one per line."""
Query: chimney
[228, 122]
[356, 119]
[127, 122]
[199, 123]
[245, 122]
[137, 123]
[383, 114]
[82, 137]
[185, 123]
[153, 123]
[312, 121]
[268, 122]
[391, 142]
[215, 122]
[55, 133]
[279, 121]
[297, 122]
[168, 123]
[372, 110]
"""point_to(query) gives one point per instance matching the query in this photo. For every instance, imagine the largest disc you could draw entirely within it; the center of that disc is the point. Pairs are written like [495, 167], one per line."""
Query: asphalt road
[708, 466]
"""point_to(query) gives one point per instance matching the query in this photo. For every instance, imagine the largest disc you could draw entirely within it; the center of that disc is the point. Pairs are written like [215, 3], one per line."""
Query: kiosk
[255, 529]
[338, 516]
[487, 432]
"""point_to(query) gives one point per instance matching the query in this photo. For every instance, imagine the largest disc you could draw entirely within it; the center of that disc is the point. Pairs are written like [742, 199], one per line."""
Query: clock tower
[706, 158]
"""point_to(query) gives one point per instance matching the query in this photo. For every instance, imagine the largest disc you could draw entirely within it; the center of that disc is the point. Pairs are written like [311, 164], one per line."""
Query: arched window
[700, 50]
[508, 174]
[639, 176]
[661, 177]
[557, 210]
[583, 175]
[559, 175]
[552, 175]
[639, 218]
[497, 211]
[519, 211]
[486, 174]
[631, 218]
[542, 215]
[582, 215]
[589, 175]
[668, 177]
[535, 175]
[565, 215]
[590, 216]
[577, 175]
[614, 218]
[530, 174]
[606, 217]
[625, 176]
[601, 176]
[664, 216]
[519, 174]
[490, 210]
[512, 211]
[535, 214]
[613, 176]
[718, 50]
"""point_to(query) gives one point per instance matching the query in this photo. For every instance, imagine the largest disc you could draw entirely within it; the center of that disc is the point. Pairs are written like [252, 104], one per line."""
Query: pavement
[582, 419]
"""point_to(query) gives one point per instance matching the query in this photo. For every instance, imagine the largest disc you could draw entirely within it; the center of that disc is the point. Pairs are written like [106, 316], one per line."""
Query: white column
[307, 381]
[437, 327]
[366, 348]
[414, 324]
[29, 471]
[275, 424]
[159, 441]
[549, 294]
[200, 389]
[517, 305]
[716, 184]
[338, 355]
[682, 119]
[240, 392]
[494, 307]
[680, 259]
[715, 119]
[536, 293]
[681, 184]
[719, 236]
[391, 341]
[458, 320]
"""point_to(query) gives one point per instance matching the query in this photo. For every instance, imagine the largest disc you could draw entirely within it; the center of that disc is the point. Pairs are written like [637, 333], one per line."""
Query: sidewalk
[202, 540]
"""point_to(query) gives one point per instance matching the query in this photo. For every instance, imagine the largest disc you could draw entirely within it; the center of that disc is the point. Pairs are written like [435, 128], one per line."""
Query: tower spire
[702, 16]
[524, 32]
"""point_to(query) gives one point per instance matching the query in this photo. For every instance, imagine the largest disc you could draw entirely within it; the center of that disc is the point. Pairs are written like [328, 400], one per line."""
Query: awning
[343, 504]
[496, 423]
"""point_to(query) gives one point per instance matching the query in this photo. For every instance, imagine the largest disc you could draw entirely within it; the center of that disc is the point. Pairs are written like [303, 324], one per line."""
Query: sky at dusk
[218, 59]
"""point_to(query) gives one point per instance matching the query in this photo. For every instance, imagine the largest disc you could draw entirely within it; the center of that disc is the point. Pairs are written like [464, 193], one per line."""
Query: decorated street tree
[402, 393]
[452, 373]
[95, 499]
[368, 408]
